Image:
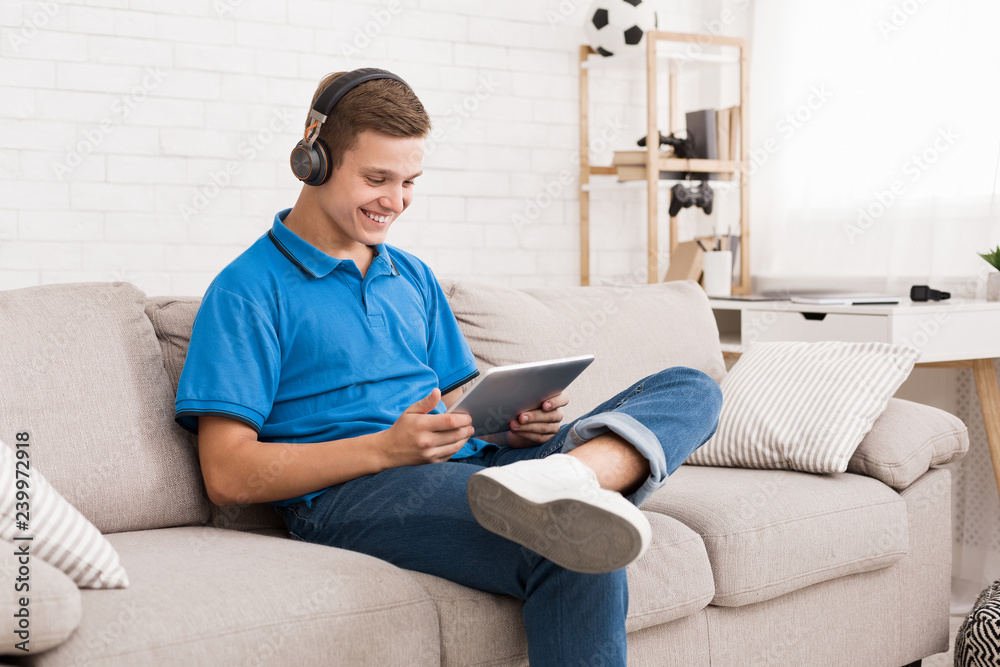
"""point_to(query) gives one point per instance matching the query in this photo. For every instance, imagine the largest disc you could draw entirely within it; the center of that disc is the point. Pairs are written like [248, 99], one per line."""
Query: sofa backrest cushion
[81, 373]
[173, 318]
[633, 331]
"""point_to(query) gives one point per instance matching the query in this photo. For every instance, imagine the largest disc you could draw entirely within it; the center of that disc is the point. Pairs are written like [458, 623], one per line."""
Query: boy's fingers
[427, 403]
[539, 416]
[549, 410]
[560, 400]
[541, 428]
[451, 442]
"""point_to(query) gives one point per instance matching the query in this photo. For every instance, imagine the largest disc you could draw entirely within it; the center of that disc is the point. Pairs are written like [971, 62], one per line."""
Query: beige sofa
[746, 566]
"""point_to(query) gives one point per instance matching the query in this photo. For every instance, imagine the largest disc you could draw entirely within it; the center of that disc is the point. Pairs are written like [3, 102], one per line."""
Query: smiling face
[366, 193]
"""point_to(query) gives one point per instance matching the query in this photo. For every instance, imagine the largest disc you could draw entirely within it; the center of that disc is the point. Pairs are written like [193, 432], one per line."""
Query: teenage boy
[322, 359]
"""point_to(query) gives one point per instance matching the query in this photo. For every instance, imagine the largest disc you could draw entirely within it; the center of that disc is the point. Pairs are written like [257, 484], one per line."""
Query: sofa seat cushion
[83, 376]
[672, 580]
[207, 596]
[633, 331]
[770, 532]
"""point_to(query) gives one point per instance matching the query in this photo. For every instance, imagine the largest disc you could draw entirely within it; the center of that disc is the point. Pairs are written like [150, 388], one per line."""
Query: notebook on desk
[844, 299]
[752, 297]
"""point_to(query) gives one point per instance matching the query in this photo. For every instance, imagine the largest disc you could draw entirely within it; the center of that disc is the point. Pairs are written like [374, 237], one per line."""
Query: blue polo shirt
[296, 344]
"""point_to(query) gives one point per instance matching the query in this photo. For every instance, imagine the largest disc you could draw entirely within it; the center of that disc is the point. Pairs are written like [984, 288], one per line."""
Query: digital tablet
[503, 392]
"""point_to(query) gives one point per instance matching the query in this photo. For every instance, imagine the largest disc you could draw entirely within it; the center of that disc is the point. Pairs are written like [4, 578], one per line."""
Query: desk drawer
[771, 325]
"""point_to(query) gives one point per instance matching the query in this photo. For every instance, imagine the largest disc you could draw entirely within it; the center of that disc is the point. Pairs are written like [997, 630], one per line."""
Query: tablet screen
[505, 391]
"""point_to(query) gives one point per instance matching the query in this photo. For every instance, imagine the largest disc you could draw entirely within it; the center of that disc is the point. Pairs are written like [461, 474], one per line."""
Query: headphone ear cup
[310, 164]
[322, 161]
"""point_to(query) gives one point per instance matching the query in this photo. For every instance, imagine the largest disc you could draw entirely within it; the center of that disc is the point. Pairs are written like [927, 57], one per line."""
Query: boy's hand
[535, 427]
[417, 437]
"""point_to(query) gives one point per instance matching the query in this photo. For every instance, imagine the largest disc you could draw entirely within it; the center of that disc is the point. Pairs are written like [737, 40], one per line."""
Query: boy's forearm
[258, 472]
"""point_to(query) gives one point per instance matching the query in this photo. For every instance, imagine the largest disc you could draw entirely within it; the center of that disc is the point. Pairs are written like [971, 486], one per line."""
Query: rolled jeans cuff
[633, 432]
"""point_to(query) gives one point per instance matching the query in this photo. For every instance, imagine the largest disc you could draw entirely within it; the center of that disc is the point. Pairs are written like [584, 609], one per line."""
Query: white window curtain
[875, 137]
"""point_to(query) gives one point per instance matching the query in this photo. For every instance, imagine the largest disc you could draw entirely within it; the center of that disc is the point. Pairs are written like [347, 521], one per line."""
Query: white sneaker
[555, 507]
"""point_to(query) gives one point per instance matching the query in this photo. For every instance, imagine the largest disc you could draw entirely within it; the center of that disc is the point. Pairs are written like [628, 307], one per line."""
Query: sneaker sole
[573, 534]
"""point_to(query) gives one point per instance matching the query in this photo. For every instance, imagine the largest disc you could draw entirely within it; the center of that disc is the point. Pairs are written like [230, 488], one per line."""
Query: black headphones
[310, 160]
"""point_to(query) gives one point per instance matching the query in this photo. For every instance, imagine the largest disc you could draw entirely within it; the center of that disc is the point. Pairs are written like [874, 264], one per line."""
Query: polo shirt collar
[313, 261]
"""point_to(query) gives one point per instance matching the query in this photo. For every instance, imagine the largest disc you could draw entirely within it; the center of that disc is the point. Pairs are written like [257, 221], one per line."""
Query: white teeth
[377, 218]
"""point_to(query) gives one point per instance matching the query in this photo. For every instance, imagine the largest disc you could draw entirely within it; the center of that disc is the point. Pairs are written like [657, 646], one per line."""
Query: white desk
[956, 333]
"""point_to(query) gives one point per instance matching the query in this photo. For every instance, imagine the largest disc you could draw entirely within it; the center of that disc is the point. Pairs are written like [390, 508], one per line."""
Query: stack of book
[631, 165]
[728, 132]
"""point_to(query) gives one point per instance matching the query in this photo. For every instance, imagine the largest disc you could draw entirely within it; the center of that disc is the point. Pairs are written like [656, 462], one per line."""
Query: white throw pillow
[803, 406]
[60, 535]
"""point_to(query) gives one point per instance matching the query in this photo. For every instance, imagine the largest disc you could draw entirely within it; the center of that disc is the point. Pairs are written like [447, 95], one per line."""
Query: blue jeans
[418, 518]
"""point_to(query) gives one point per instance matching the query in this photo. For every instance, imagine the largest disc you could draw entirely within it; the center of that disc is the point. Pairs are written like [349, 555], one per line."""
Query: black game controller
[681, 197]
[682, 147]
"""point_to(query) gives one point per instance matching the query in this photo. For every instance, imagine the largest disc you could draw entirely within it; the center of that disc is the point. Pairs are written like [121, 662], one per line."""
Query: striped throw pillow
[803, 406]
[60, 535]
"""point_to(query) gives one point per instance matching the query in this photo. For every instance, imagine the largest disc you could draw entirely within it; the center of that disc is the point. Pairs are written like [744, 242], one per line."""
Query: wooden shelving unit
[655, 162]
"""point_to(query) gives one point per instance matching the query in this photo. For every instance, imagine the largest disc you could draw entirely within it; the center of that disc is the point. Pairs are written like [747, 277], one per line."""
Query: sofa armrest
[907, 440]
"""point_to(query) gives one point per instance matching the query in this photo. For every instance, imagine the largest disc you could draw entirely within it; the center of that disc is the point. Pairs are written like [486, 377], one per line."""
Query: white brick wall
[148, 141]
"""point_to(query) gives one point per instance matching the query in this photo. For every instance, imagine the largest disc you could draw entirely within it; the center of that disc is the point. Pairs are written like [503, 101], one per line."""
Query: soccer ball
[616, 26]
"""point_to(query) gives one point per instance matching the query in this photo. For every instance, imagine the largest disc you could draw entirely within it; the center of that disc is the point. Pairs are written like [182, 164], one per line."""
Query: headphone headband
[309, 160]
[341, 86]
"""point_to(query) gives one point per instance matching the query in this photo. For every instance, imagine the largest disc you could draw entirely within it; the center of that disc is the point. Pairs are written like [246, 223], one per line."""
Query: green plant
[992, 257]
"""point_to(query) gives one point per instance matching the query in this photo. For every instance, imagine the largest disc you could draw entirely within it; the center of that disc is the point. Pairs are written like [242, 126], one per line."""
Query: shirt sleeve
[232, 365]
[448, 352]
